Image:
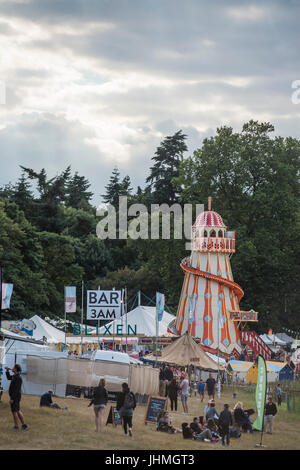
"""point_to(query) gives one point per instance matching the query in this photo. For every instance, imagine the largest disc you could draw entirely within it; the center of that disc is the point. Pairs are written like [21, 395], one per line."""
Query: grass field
[73, 429]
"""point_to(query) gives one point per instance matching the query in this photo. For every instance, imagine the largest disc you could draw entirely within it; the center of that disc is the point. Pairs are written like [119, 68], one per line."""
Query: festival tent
[45, 330]
[284, 337]
[34, 328]
[273, 369]
[272, 339]
[217, 358]
[185, 351]
[286, 373]
[141, 320]
[239, 369]
[17, 351]
[239, 366]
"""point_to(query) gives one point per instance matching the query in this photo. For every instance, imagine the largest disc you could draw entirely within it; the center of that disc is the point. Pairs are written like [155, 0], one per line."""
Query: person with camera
[14, 392]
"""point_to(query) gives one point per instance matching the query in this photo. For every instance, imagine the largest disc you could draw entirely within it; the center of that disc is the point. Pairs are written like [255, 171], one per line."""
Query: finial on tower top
[209, 203]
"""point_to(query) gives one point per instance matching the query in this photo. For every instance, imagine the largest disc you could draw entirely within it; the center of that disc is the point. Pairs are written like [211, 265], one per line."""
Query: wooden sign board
[113, 417]
[154, 406]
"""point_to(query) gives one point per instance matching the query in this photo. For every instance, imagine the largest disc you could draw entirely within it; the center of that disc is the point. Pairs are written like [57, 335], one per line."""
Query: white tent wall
[142, 320]
[86, 373]
[17, 352]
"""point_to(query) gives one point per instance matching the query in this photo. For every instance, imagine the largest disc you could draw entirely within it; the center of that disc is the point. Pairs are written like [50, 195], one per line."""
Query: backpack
[129, 401]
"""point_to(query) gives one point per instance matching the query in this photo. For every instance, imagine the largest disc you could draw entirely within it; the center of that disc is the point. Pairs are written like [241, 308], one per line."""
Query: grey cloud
[164, 40]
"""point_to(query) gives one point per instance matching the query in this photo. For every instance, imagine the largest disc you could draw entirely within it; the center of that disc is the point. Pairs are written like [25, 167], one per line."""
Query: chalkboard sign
[154, 406]
[114, 417]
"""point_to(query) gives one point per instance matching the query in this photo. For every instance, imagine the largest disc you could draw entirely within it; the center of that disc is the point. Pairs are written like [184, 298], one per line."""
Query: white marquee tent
[44, 329]
[271, 339]
[16, 351]
[34, 328]
[142, 320]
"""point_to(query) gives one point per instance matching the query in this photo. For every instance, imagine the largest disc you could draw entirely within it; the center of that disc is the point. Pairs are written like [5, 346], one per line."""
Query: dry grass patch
[74, 429]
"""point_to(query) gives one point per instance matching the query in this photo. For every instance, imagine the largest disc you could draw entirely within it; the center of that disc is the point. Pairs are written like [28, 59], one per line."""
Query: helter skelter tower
[209, 303]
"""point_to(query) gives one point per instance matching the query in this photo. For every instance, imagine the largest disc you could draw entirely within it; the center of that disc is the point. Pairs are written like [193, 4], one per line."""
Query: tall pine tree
[167, 160]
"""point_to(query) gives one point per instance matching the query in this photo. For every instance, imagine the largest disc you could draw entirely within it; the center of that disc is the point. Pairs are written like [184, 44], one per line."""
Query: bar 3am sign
[103, 304]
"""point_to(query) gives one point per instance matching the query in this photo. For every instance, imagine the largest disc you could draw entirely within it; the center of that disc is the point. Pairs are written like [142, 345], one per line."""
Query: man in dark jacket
[14, 392]
[168, 378]
[225, 420]
[270, 412]
[46, 400]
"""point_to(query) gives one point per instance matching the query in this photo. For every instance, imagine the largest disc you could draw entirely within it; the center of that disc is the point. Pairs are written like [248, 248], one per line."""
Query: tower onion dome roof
[209, 219]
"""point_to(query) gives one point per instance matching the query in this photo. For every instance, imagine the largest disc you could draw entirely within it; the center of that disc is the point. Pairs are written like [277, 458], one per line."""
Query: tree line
[48, 226]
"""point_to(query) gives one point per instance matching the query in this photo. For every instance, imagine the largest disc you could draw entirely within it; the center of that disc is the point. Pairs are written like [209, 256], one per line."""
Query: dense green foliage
[48, 226]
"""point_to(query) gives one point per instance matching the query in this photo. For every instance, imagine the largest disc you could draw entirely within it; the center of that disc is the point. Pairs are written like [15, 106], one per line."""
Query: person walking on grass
[210, 387]
[99, 400]
[14, 392]
[225, 420]
[201, 389]
[126, 403]
[279, 395]
[184, 392]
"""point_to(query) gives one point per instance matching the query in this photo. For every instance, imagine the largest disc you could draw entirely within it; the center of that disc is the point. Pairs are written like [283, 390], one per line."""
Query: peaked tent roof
[34, 328]
[272, 366]
[44, 329]
[286, 338]
[184, 351]
[144, 319]
[270, 339]
[216, 358]
[239, 366]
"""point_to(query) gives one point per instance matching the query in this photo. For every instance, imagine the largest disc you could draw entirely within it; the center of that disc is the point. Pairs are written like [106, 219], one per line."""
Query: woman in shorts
[99, 400]
[184, 392]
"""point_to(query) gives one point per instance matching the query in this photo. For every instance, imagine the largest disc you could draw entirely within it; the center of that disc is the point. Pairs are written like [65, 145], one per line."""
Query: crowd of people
[214, 427]
[210, 426]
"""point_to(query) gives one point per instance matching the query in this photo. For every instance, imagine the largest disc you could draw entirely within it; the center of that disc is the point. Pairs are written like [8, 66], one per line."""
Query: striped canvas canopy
[274, 366]
[239, 366]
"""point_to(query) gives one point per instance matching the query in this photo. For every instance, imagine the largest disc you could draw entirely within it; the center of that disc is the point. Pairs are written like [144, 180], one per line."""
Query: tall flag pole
[126, 319]
[5, 296]
[82, 300]
[1, 338]
[160, 306]
[0, 300]
[260, 396]
[70, 304]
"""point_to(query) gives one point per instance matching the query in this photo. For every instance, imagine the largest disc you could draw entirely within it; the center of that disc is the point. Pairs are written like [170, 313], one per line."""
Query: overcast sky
[99, 83]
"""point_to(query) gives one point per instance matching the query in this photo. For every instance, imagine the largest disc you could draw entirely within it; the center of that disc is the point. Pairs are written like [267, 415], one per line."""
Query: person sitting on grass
[196, 426]
[165, 424]
[200, 432]
[187, 432]
[46, 400]
[212, 426]
[241, 418]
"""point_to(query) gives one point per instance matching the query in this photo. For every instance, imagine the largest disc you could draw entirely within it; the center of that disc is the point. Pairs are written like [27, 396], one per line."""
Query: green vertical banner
[260, 394]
